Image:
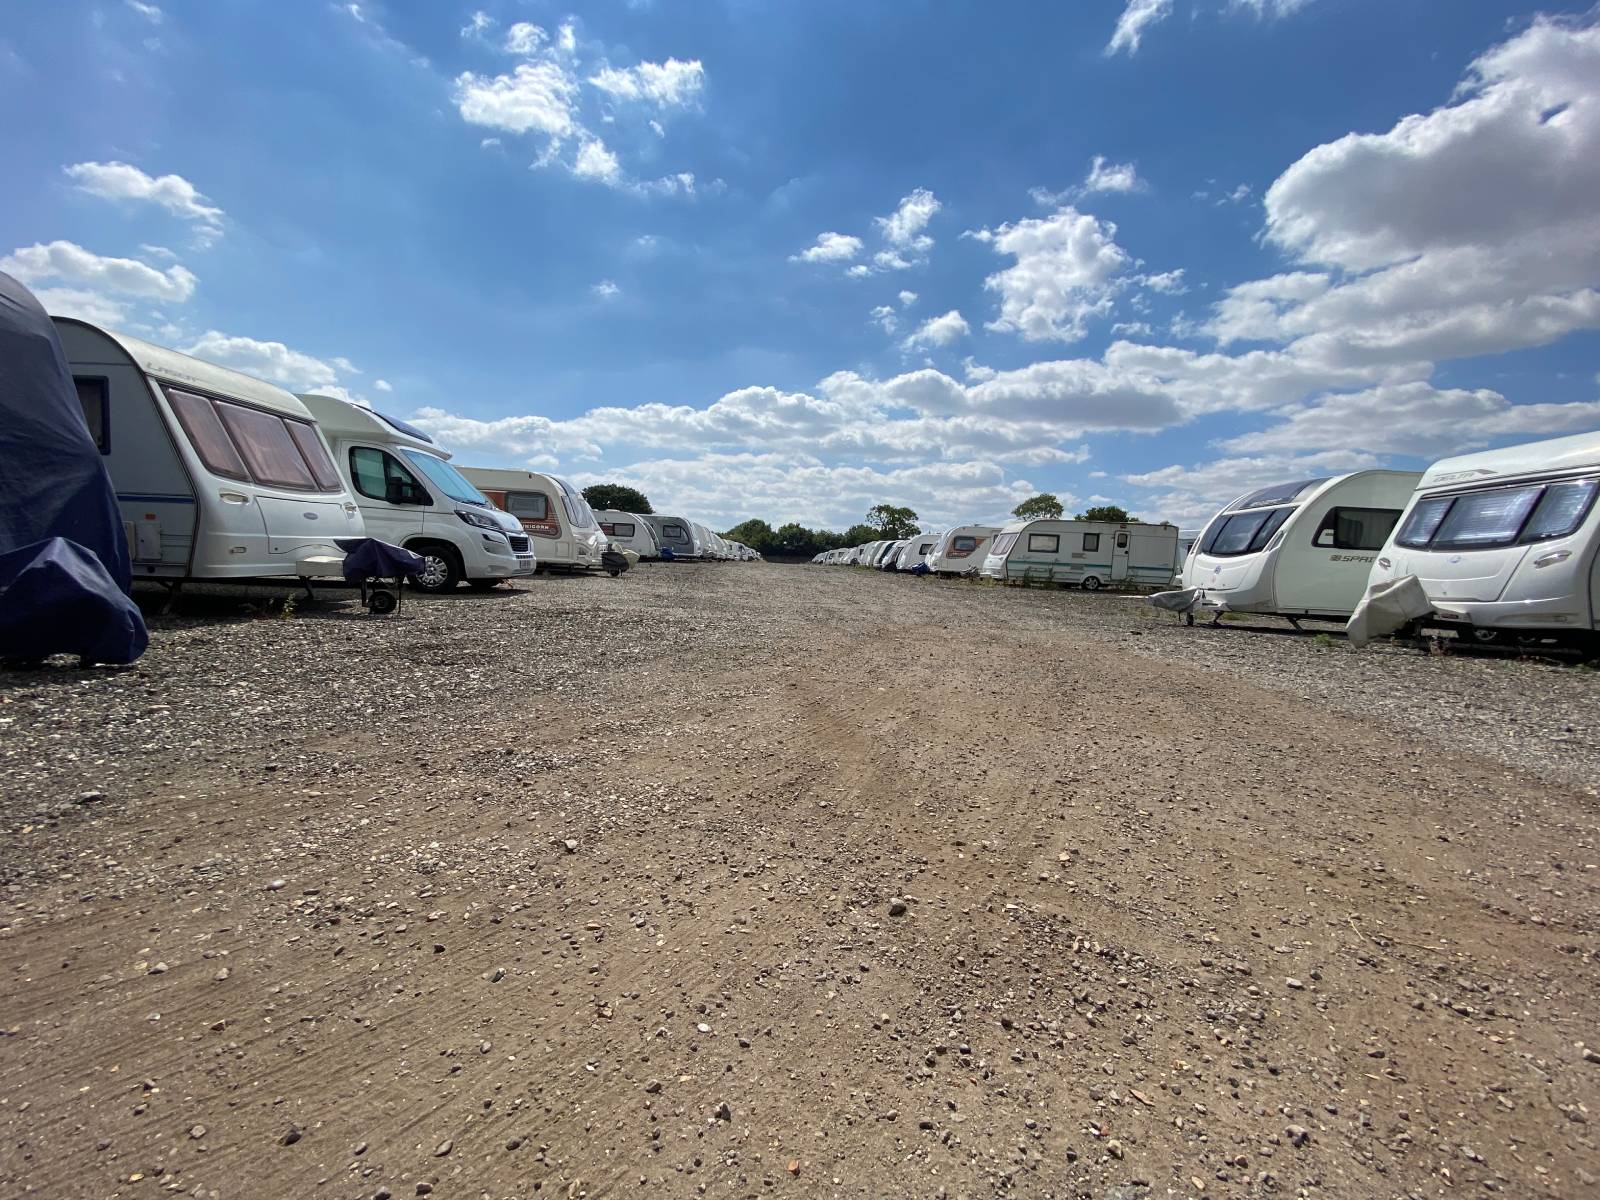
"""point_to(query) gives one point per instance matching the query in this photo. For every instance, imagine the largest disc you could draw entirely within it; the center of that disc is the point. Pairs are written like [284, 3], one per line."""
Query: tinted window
[1487, 518]
[1356, 528]
[535, 506]
[622, 529]
[315, 453]
[206, 434]
[676, 532]
[381, 476]
[1049, 543]
[92, 399]
[1562, 510]
[446, 478]
[1091, 541]
[1424, 520]
[1245, 532]
[1122, 541]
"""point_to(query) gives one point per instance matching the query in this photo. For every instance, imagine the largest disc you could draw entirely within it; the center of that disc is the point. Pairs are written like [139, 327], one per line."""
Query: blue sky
[791, 260]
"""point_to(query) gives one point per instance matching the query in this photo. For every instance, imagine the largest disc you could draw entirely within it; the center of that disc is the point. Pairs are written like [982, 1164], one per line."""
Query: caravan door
[1119, 554]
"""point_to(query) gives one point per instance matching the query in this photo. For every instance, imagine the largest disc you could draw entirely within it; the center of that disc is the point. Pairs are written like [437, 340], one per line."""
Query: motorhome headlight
[481, 519]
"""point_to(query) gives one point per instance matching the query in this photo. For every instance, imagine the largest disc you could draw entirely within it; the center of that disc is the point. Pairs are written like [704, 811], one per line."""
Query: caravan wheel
[1091, 583]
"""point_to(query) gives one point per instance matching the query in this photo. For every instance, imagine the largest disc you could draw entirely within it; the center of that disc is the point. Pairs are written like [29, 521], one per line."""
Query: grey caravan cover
[53, 482]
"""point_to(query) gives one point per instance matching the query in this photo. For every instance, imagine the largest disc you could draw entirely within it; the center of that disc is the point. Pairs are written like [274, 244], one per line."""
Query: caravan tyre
[441, 568]
[1091, 583]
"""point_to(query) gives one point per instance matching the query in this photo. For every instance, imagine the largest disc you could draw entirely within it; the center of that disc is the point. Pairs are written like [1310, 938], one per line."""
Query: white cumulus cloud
[830, 247]
[71, 264]
[1066, 272]
[938, 331]
[1107, 176]
[174, 193]
[668, 85]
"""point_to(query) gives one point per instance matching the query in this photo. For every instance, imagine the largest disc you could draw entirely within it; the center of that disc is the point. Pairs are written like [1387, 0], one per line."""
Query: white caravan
[676, 534]
[553, 512]
[411, 496]
[889, 558]
[218, 475]
[1090, 554]
[629, 531]
[1506, 543]
[917, 550]
[1300, 549]
[961, 550]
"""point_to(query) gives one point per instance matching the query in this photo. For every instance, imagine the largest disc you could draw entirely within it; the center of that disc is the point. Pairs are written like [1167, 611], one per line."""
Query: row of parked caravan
[1086, 554]
[1499, 545]
[222, 476]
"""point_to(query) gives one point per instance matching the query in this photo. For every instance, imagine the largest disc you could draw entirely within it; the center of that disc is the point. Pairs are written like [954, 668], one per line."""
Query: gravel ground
[740, 880]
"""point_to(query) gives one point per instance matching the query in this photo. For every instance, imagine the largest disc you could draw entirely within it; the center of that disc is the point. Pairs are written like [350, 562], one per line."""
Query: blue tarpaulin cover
[368, 558]
[57, 598]
[53, 482]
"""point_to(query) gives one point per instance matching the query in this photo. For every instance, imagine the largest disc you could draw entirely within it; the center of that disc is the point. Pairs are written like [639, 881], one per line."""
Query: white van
[961, 550]
[1300, 549]
[629, 531]
[411, 496]
[1090, 554]
[565, 533]
[218, 475]
[1506, 543]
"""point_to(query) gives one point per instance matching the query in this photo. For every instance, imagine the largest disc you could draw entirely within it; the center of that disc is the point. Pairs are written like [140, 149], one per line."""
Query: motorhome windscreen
[1355, 528]
[1504, 516]
[446, 478]
[1244, 532]
[1278, 493]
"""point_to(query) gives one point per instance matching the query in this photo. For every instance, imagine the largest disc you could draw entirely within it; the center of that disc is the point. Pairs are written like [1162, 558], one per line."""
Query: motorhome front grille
[519, 544]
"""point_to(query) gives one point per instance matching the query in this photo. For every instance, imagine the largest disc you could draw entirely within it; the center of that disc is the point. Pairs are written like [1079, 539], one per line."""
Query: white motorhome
[960, 550]
[1090, 554]
[218, 475]
[677, 534]
[566, 535]
[411, 496]
[629, 531]
[1299, 549]
[1506, 543]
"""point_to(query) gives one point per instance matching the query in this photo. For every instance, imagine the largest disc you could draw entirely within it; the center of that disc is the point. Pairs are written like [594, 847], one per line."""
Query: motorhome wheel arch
[218, 475]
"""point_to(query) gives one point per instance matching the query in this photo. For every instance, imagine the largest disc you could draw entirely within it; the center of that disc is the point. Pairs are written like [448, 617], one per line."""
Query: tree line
[883, 521]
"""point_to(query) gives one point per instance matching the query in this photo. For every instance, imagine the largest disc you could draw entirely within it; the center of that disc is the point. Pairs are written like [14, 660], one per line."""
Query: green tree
[617, 496]
[858, 535]
[1043, 507]
[755, 533]
[1106, 512]
[892, 521]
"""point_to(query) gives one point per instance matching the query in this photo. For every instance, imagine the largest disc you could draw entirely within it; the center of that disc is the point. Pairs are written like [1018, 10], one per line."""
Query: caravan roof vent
[403, 427]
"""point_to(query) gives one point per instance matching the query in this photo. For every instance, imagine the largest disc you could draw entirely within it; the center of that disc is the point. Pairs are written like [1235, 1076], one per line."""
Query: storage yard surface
[749, 880]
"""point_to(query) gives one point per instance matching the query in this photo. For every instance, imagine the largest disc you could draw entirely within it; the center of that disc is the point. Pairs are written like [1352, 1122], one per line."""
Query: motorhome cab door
[399, 502]
[1119, 554]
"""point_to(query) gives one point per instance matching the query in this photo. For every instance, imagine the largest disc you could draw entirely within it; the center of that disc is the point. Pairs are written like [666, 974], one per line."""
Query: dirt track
[596, 889]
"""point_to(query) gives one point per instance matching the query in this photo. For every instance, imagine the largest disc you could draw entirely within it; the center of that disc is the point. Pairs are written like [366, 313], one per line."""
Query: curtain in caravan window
[268, 450]
[315, 454]
[531, 505]
[206, 434]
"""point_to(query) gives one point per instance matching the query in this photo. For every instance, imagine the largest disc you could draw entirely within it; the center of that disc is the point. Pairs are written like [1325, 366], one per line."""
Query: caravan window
[1122, 541]
[1244, 532]
[578, 510]
[268, 450]
[1499, 516]
[676, 532]
[1562, 510]
[1002, 545]
[622, 529]
[1091, 541]
[1356, 528]
[1048, 543]
[206, 434]
[316, 455]
[530, 506]
[1486, 518]
[92, 398]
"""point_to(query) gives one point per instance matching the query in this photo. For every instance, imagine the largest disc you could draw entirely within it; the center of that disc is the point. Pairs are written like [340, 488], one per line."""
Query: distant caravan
[219, 476]
[916, 551]
[629, 531]
[565, 533]
[677, 537]
[1089, 554]
[1301, 549]
[1506, 543]
[961, 550]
